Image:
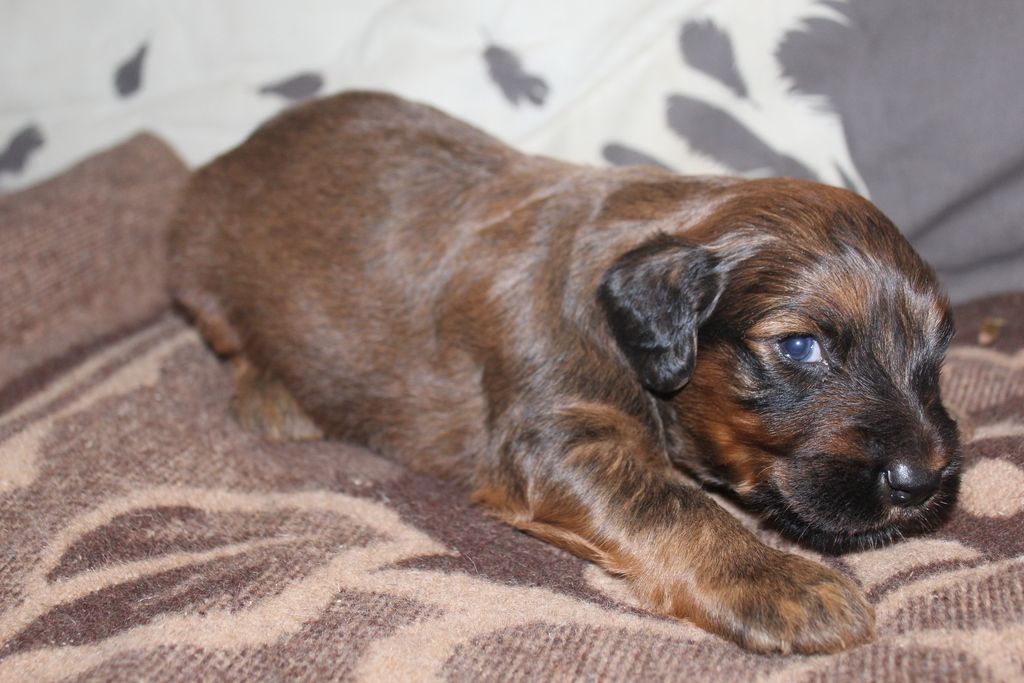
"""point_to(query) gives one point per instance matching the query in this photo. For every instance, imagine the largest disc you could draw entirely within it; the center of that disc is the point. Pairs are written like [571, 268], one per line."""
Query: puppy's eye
[802, 348]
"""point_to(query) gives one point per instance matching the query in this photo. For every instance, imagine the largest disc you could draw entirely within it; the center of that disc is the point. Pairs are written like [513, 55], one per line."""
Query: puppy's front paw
[790, 605]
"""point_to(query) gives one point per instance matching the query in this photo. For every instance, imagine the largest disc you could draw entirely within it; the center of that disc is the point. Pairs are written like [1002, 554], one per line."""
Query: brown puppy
[382, 273]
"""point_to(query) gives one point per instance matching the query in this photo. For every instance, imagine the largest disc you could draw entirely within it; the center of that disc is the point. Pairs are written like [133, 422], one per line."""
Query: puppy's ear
[655, 297]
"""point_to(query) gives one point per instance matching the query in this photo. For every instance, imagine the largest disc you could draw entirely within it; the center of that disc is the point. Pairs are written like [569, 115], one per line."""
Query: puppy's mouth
[780, 514]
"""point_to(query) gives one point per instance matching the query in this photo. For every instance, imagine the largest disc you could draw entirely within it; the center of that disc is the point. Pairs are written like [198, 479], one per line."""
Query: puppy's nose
[910, 485]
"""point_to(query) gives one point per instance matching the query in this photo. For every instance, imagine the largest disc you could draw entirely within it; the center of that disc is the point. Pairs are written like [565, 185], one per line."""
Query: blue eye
[804, 349]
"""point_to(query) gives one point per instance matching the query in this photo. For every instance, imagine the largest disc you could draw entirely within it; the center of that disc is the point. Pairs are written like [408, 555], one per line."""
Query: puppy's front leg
[588, 480]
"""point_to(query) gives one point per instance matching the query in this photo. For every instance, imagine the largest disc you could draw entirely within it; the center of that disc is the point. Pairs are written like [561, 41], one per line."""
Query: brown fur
[410, 284]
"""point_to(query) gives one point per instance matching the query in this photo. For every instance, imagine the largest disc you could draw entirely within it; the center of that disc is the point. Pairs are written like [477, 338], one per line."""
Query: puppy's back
[327, 170]
[318, 197]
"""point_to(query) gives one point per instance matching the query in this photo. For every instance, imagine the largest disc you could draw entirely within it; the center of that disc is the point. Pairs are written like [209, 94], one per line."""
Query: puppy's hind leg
[261, 402]
[264, 405]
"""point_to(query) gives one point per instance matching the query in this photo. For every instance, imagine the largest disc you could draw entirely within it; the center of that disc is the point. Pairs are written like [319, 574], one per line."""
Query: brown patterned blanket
[144, 535]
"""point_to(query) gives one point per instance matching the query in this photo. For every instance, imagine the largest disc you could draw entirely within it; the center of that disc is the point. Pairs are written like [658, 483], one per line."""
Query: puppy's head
[814, 394]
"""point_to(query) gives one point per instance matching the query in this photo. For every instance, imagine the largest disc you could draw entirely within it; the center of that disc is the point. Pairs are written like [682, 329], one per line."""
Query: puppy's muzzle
[910, 485]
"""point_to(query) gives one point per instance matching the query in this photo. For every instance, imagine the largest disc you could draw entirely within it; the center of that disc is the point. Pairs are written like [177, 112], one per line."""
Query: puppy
[570, 341]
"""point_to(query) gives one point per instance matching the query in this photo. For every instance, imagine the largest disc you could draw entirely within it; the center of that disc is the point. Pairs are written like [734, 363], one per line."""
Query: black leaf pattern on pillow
[128, 76]
[506, 70]
[709, 49]
[621, 155]
[21, 145]
[299, 87]
[716, 133]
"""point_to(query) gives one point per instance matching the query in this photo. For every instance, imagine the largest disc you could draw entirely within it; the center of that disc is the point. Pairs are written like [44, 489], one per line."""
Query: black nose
[910, 485]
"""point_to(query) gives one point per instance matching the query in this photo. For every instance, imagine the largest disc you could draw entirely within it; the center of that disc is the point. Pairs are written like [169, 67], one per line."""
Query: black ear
[655, 298]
